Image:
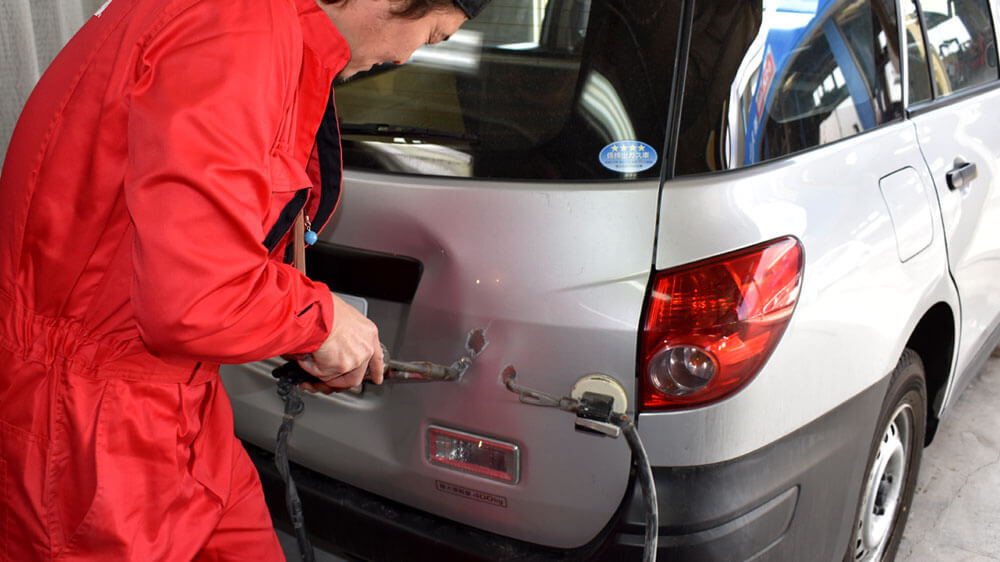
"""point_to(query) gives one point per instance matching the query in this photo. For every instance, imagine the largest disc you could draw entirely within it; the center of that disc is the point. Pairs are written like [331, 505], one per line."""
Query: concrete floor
[956, 509]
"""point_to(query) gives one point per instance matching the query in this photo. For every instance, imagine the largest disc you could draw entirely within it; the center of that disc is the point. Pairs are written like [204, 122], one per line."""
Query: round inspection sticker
[627, 156]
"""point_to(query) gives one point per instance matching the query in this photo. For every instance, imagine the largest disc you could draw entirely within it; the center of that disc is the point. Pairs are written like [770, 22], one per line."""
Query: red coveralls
[164, 144]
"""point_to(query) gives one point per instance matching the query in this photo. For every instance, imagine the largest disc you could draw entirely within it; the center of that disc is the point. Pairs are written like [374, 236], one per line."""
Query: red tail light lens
[710, 326]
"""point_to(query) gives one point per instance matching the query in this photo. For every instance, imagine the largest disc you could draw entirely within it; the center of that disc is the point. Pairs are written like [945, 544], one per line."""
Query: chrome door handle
[962, 175]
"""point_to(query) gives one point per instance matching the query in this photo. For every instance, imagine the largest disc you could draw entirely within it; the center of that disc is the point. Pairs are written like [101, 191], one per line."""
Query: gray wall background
[31, 33]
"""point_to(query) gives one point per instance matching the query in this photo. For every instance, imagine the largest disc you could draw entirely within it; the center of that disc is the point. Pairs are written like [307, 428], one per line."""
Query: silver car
[768, 232]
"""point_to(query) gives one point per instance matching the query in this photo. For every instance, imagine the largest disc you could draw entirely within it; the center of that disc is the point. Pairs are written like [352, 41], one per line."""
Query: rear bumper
[792, 500]
[352, 522]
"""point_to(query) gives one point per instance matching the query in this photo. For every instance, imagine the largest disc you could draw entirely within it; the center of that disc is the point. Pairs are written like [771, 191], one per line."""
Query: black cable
[288, 390]
[648, 488]
[290, 375]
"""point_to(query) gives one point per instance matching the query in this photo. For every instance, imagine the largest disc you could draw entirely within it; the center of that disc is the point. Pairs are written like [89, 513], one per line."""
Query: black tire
[893, 464]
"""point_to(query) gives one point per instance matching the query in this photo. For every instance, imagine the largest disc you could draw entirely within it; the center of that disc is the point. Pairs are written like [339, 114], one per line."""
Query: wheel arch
[934, 340]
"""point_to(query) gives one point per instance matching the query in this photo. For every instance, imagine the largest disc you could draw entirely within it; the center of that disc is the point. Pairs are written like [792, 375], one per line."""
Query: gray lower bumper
[792, 500]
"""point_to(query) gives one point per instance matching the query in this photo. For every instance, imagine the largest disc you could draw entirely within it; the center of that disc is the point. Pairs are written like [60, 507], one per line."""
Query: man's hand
[350, 351]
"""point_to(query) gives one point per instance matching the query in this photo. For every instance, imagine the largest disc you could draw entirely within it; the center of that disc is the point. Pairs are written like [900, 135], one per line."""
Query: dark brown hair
[413, 9]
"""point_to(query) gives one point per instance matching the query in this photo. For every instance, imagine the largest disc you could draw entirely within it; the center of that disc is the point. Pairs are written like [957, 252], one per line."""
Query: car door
[955, 106]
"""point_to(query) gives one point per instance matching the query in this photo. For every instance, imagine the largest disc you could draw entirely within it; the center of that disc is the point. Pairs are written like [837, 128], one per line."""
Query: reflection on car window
[530, 89]
[803, 74]
[961, 44]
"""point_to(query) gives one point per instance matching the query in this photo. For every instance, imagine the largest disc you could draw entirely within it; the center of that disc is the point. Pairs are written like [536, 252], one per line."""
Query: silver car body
[558, 273]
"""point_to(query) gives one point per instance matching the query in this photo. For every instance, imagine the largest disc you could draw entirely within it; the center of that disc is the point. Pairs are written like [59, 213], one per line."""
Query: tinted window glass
[531, 89]
[961, 43]
[766, 83]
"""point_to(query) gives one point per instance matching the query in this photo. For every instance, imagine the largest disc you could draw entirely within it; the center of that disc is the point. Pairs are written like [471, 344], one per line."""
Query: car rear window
[530, 89]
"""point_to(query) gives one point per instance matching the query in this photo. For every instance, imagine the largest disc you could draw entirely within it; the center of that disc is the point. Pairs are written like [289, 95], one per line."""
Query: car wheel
[893, 463]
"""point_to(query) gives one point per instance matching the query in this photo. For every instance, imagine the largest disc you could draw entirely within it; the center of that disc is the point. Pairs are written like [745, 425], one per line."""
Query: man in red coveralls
[145, 203]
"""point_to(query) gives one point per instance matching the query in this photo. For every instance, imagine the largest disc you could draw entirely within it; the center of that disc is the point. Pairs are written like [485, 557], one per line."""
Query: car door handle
[962, 175]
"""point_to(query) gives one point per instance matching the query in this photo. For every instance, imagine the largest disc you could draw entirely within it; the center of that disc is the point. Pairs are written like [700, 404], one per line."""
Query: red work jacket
[150, 184]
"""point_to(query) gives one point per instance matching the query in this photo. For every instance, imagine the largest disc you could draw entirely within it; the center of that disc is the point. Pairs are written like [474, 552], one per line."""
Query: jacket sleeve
[204, 115]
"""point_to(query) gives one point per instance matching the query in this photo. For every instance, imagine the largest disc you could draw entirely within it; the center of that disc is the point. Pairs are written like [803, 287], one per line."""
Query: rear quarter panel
[858, 303]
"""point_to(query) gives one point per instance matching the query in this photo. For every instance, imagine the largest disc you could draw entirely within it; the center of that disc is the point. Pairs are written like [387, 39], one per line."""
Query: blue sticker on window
[628, 156]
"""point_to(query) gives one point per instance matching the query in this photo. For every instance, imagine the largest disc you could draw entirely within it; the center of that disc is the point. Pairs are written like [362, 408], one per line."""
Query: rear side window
[530, 89]
[765, 83]
[957, 50]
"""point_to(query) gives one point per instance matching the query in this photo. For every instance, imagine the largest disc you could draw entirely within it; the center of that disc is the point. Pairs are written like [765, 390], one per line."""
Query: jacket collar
[322, 37]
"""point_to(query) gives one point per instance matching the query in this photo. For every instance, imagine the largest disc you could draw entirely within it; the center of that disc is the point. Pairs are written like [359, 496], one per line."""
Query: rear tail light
[710, 326]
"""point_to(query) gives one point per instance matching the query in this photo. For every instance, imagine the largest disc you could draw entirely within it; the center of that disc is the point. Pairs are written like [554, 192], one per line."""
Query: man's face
[377, 36]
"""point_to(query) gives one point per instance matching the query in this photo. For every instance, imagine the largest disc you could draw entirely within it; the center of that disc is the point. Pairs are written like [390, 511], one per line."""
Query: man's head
[380, 31]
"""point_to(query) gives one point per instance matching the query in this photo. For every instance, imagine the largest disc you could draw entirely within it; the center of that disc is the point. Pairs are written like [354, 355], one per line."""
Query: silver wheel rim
[884, 487]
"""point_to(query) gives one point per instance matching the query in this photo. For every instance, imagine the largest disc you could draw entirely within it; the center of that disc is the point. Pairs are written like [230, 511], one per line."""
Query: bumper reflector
[474, 454]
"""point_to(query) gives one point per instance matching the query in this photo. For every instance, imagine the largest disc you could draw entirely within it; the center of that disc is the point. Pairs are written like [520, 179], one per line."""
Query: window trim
[682, 54]
[903, 54]
[970, 92]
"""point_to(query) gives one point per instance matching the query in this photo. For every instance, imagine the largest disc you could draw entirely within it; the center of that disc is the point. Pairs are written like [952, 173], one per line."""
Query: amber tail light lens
[710, 326]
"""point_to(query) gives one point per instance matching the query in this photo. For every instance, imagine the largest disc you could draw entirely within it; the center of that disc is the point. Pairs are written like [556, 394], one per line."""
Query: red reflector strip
[475, 454]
